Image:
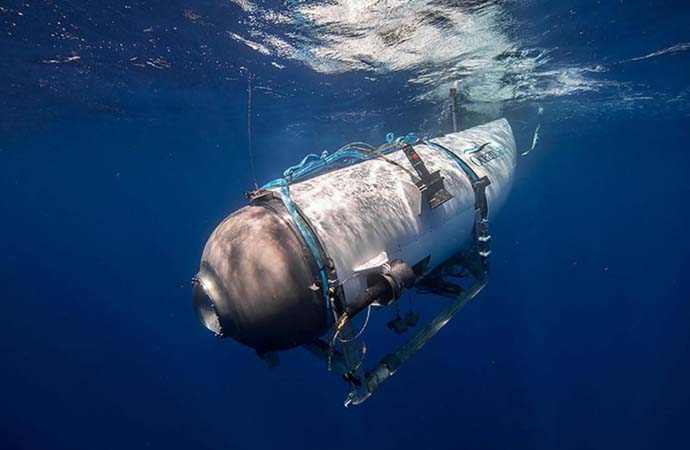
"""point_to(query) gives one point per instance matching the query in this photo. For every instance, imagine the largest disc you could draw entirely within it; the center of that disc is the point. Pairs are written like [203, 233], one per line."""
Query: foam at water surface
[436, 43]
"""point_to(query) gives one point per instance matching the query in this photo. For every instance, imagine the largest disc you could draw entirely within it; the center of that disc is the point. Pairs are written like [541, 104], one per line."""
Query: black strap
[429, 184]
[481, 221]
[481, 206]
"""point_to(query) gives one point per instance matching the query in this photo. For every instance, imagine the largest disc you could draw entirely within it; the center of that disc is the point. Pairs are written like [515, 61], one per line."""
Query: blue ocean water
[123, 143]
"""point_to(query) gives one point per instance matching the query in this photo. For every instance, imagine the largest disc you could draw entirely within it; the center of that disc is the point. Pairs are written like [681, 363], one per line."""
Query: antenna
[454, 105]
[249, 130]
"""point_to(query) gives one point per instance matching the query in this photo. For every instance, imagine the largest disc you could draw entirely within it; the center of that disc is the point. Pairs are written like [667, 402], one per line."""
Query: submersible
[339, 234]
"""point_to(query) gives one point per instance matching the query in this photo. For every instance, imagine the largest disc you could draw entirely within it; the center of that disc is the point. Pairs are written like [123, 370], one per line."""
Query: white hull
[368, 214]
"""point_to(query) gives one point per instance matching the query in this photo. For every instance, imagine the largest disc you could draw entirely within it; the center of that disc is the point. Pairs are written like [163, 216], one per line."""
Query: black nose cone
[256, 282]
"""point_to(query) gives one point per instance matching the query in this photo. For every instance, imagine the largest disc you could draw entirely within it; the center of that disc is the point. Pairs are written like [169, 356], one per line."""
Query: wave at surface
[434, 43]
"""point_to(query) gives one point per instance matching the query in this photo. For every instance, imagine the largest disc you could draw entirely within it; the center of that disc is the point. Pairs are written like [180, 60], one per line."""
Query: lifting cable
[249, 131]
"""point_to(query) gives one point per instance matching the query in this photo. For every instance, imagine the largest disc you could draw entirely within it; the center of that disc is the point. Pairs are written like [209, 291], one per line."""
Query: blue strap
[463, 165]
[309, 239]
[310, 166]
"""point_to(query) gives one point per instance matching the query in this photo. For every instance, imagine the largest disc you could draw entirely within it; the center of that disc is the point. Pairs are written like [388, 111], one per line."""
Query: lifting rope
[249, 130]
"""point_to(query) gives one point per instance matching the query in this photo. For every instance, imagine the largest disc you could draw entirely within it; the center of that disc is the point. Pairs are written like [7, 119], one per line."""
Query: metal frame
[391, 363]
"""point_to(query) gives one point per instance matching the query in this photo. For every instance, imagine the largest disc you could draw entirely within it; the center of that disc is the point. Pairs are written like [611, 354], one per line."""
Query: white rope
[364, 327]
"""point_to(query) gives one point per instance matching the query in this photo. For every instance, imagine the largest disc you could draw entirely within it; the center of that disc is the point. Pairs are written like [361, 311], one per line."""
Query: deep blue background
[108, 193]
